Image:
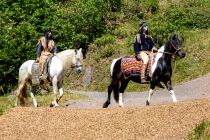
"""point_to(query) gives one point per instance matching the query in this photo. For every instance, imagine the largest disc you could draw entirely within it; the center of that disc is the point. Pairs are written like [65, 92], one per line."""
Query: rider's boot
[143, 70]
[44, 74]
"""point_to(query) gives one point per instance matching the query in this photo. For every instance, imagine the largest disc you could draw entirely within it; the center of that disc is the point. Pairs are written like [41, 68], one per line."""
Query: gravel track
[85, 119]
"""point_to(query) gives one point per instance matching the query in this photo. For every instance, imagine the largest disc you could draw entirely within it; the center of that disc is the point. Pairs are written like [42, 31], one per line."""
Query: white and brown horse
[69, 58]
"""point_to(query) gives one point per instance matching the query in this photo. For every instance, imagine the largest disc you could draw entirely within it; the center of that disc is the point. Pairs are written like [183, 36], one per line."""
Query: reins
[173, 54]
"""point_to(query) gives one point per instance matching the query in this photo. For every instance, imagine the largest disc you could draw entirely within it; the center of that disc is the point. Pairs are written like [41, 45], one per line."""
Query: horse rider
[45, 48]
[143, 46]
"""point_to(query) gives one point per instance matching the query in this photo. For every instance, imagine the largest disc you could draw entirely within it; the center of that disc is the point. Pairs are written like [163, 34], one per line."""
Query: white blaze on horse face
[158, 56]
[121, 100]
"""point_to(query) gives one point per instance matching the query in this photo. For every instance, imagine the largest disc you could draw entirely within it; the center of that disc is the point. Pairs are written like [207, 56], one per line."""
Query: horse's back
[25, 69]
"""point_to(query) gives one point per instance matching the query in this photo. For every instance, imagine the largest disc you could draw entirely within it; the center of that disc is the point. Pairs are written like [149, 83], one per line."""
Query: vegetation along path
[162, 120]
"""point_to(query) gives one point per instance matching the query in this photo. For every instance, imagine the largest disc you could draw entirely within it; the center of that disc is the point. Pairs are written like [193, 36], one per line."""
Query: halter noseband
[75, 66]
[174, 48]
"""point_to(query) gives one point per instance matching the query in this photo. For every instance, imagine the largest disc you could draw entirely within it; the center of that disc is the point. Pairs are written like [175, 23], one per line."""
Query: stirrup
[43, 77]
[144, 81]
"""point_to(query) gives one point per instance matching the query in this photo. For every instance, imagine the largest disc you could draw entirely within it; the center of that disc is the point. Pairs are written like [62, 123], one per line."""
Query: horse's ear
[76, 51]
[174, 36]
[80, 50]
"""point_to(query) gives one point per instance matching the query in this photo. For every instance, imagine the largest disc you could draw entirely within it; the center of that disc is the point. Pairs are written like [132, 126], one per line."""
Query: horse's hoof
[51, 105]
[121, 105]
[147, 103]
[106, 104]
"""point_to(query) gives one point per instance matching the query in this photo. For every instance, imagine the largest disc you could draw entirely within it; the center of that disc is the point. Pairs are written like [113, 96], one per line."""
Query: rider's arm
[54, 50]
[152, 44]
[137, 44]
[39, 50]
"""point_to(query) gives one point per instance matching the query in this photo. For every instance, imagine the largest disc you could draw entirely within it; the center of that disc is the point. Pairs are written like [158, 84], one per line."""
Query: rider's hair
[142, 24]
[46, 36]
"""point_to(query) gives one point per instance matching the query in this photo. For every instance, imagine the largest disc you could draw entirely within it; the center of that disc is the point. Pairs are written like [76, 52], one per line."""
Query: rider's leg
[43, 68]
[145, 59]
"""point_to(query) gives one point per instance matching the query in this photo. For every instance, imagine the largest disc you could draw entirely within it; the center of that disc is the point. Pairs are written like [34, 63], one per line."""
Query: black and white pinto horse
[161, 72]
[70, 58]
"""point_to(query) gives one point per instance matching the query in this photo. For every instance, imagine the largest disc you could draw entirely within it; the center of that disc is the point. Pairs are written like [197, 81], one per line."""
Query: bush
[74, 24]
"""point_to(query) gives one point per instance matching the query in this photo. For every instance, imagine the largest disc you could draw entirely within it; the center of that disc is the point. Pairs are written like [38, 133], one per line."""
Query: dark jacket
[143, 43]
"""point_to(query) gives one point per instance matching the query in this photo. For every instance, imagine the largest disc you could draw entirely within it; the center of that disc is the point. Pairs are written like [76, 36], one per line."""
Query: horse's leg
[55, 88]
[60, 89]
[32, 93]
[110, 88]
[170, 89]
[151, 91]
[121, 90]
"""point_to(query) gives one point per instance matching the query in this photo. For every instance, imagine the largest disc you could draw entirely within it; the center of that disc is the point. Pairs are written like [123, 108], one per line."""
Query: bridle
[76, 65]
[173, 54]
[73, 66]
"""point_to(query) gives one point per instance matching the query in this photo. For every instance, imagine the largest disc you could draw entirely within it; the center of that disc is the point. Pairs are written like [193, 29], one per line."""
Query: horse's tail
[21, 92]
[116, 91]
[112, 66]
[114, 75]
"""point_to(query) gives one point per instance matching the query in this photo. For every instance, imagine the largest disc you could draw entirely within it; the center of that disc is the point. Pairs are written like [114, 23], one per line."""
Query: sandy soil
[172, 121]
[85, 119]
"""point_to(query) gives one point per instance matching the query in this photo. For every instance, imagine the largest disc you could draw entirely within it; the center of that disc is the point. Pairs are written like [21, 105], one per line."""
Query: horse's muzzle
[181, 54]
[79, 69]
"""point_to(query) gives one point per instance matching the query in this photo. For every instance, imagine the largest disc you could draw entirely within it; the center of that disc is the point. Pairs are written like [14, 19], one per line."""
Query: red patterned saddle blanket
[130, 66]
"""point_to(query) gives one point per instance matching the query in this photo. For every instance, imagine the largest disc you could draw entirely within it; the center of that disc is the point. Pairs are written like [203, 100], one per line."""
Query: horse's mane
[66, 56]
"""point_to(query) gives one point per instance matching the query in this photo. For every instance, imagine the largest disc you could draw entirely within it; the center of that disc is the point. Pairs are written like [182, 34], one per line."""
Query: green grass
[6, 102]
[201, 132]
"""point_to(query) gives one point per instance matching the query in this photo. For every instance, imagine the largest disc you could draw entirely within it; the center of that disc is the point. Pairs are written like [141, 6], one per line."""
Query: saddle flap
[35, 73]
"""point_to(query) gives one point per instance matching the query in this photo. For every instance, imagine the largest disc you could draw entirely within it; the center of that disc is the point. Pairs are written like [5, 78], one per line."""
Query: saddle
[35, 71]
[131, 66]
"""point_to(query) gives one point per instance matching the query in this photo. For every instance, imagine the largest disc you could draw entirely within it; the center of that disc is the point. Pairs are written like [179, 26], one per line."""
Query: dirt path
[162, 120]
[195, 89]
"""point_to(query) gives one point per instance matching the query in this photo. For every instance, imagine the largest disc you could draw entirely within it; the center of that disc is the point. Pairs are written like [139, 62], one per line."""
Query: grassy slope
[195, 64]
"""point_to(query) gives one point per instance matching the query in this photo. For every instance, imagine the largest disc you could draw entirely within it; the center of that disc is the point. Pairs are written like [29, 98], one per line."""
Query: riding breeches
[144, 56]
[42, 61]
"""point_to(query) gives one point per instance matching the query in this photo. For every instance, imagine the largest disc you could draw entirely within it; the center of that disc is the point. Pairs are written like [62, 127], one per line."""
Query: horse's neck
[163, 52]
[66, 57]
[167, 56]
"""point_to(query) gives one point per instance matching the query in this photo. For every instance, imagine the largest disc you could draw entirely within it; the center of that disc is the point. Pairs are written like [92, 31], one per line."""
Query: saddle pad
[130, 66]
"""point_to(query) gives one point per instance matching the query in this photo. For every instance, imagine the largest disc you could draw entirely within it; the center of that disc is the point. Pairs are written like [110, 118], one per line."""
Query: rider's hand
[37, 60]
[154, 49]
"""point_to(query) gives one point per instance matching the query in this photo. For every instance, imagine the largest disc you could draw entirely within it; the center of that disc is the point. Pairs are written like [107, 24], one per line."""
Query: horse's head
[77, 61]
[175, 45]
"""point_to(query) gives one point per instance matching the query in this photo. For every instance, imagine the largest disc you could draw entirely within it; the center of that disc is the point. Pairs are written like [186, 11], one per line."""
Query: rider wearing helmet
[45, 48]
[143, 45]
